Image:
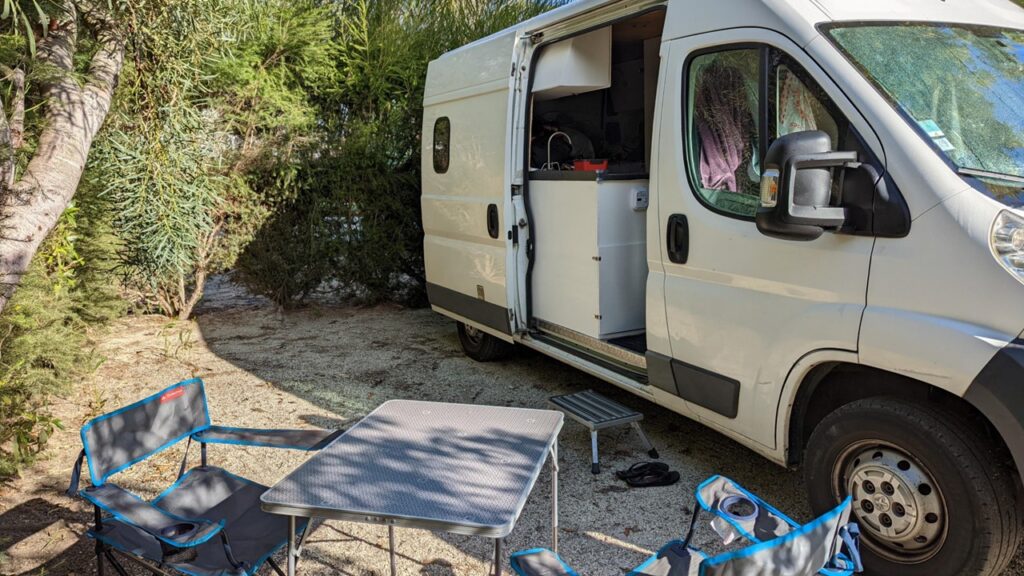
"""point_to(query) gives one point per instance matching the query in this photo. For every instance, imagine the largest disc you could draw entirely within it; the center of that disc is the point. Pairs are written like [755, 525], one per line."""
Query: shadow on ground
[348, 361]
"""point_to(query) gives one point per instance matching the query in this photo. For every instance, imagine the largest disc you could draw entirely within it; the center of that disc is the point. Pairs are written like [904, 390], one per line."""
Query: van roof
[811, 12]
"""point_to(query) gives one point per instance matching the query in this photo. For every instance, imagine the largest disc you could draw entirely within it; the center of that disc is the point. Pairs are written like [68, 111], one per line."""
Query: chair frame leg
[272, 564]
[100, 547]
[595, 460]
[117, 565]
[113, 553]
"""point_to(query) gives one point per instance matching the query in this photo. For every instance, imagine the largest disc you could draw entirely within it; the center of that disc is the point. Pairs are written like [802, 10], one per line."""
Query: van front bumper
[998, 393]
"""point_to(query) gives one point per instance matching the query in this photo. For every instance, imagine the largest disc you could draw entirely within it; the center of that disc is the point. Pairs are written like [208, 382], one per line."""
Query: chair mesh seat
[214, 494]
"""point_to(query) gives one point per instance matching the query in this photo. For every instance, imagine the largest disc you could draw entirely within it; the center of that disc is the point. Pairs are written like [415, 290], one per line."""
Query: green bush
[197, 149]
[356, 220]
[44, 345]
[290, 256]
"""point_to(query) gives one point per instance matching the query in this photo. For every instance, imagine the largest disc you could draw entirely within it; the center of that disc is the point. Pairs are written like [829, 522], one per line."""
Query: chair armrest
[290, 439]
[168, 528]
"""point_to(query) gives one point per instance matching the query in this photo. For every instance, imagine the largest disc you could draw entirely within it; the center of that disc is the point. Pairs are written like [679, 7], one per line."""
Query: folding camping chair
[208, 522]
[828, 545]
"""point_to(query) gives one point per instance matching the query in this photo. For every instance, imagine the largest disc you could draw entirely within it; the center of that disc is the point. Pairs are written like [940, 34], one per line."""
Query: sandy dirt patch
[330, 366]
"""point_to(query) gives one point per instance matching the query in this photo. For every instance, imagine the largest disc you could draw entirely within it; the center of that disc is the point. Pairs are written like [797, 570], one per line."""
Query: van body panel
[795, 19]
[466, 267]
[475, 65]
[998, 12]
[657, 321]
[745, 306]
[939, 305]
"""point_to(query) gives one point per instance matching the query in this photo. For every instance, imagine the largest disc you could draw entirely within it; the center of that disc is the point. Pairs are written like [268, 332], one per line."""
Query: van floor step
[637, 343]
[629, 371]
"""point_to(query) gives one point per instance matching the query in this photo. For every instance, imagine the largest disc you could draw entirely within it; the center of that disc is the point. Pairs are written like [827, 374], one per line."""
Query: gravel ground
[329, 367]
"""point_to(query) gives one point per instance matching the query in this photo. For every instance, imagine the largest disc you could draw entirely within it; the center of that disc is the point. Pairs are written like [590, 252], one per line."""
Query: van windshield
[962, 85]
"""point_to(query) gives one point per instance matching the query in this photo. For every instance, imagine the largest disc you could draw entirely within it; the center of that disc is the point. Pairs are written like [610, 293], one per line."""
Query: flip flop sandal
[642, 468]
[657, 479]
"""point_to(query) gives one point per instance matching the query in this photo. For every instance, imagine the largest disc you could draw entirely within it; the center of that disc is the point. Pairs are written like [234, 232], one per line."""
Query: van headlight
[1007, 242]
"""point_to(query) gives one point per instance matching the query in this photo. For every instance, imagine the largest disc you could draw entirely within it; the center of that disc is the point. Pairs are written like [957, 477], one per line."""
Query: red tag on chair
[172, 394]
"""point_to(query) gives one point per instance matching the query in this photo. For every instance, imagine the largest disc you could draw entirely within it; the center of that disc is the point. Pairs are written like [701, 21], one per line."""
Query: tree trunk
[32, 206]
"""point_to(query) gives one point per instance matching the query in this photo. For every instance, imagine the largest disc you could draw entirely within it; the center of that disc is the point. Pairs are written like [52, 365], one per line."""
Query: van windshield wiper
[987, 174]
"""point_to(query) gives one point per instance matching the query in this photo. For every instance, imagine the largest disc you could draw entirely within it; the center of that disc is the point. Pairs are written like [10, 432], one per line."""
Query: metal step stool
[597, 413]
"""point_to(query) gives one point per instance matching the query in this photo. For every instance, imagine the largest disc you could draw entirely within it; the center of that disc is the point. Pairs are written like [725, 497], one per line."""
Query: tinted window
[442, 138]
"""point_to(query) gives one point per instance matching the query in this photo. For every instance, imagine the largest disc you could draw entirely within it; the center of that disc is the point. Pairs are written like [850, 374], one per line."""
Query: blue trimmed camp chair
[208, 522]
[828, 545]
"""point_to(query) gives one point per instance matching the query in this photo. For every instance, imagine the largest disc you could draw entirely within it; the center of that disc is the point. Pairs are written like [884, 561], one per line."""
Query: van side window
[799, 107]
[442, 141]
[725, 122]
[722, 132]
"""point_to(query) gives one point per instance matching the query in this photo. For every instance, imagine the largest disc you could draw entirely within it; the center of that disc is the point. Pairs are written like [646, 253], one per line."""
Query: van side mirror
[796, 186]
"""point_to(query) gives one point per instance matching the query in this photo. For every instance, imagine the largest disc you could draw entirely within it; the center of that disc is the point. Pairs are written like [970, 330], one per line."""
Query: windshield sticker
[931, 128]
[944, 144]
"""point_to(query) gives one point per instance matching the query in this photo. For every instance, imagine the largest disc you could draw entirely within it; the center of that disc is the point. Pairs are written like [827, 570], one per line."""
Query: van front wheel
[481, 346]
[931, 494]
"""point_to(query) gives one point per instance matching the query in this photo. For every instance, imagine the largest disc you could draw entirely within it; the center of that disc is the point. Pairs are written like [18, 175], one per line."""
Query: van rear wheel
[931, 494]
[481, 346]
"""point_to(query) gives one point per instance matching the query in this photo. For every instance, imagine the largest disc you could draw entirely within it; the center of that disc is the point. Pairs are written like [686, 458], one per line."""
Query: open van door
[466, 184]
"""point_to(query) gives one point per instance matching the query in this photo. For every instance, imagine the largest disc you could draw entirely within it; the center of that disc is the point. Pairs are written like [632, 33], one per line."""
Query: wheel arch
[829, 384]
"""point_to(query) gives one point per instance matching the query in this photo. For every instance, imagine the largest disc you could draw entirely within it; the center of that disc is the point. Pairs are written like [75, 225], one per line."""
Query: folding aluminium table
[454, 468]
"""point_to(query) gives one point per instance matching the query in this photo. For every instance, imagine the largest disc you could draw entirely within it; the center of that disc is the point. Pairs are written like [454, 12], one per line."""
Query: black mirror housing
[796, 186]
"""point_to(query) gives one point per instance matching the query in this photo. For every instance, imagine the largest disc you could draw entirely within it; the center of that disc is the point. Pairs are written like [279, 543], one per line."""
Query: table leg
[291, 546]
[497, 556]
[391, 550]
[554, 496]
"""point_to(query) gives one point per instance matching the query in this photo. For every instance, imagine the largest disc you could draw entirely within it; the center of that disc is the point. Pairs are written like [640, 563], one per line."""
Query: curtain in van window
[725, 120]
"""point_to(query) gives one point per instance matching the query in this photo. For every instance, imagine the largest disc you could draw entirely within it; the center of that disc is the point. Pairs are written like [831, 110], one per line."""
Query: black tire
[977, 528]
[481, 346]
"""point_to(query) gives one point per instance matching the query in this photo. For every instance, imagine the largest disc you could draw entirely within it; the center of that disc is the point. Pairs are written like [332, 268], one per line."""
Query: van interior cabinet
[590, 271]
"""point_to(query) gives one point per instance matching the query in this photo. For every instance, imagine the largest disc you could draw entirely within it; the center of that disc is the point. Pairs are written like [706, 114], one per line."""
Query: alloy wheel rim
[896, 501]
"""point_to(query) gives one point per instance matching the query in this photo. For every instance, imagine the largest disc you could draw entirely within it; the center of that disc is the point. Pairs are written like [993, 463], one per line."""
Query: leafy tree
[217, 96]
[64, 56]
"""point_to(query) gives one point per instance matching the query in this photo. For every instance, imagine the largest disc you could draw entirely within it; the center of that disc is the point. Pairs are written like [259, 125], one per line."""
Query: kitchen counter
[586, 176]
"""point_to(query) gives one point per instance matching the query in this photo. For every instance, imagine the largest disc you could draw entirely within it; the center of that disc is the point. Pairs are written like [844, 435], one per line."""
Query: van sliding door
[465, 199]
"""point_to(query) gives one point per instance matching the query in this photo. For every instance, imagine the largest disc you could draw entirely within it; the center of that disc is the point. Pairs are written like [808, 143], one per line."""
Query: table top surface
[455, 467]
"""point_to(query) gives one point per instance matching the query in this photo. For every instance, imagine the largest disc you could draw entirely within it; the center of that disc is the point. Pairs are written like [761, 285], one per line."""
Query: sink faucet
[548, 166]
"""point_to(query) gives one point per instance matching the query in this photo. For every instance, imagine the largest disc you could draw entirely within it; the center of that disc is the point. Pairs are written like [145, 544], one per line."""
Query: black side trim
[708, 389]
[490, 315]
[998, 393]
[659, 372]
[704, 388]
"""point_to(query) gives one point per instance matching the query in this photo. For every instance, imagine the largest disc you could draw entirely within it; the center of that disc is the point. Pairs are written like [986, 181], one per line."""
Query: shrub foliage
[353, 225]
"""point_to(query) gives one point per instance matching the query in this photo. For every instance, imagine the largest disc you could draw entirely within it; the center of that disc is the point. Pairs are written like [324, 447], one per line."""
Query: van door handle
[492, 220]
[678, 239]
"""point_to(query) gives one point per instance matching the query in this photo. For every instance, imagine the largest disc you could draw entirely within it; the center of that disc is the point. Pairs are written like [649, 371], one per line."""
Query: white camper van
[798, 222]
